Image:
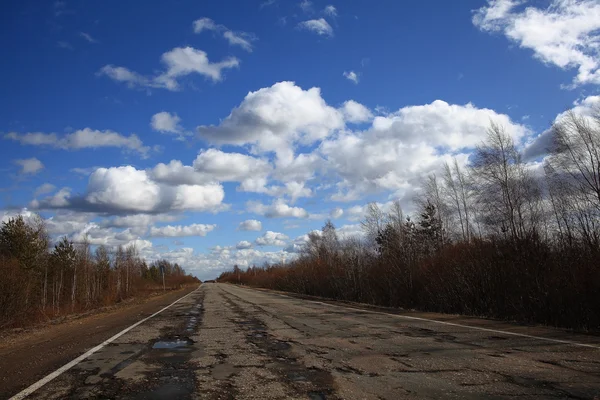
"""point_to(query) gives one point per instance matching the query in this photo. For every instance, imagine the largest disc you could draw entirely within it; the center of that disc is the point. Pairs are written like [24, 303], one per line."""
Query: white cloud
[336, 213]
[94, 234]
[274, 118]
[179, 62]
[181, 230]
[540, 145]
[294, 190]
[351, 76]
[299, 244]
[402, 146]
[224, 166]
[270, 238]
[68, 222]
[86, 138]
[184, 61]
[565, 34]
[330, 11]
[44, 189]
[29, 166]
[88, 37]
[318, 26]
[212, 166]
[276, 209]
[125, 189]
[244, 244]
[306, 6]
[350, 231]
[355, 112]
[165, 122]
[242, 39]
[204, 24]
[175, 173]
[250, 225]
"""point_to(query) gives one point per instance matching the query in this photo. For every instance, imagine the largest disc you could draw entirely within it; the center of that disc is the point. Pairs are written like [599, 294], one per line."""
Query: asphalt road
[227, 342]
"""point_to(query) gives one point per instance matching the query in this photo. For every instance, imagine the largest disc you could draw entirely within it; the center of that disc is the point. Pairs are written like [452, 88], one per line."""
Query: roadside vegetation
[38, 282]
[497, 238]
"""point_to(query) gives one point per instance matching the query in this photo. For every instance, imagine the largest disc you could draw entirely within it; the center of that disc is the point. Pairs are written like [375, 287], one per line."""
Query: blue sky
[166, 125]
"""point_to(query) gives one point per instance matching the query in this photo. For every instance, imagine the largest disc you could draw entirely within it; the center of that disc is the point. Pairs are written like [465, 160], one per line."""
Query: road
[228, 342]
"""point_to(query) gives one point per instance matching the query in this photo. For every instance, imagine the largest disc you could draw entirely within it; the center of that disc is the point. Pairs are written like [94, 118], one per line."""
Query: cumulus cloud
[565, 34]
[94, 234]
[44, 189]
[230, 167]
[318, 26]
[540, 145]
[250, 225]
[59, 199]
[179, 62]
[29, 166]
[166, 122]
[181, 230]
[276, 209]
[125, 189]
[351, 76]
[86, 138]
[242, 39]
[407, 144]
[355, 112]
[274, 118]
[244, 244]
[175, 173]
[213, 166]
[270, 238]
[65, 222]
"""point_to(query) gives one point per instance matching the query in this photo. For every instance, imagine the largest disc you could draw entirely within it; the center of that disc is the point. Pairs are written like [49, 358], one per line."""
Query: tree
[62, 258]
[576, 153]
[456, 189]
[508, 197]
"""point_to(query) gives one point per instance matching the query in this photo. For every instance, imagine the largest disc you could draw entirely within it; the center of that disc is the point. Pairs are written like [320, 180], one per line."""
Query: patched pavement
[228, 342]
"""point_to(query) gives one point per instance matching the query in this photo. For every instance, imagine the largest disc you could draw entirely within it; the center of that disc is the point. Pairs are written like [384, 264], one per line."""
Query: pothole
[173, 344]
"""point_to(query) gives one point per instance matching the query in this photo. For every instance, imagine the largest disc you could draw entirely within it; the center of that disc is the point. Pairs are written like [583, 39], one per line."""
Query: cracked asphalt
[229, 342]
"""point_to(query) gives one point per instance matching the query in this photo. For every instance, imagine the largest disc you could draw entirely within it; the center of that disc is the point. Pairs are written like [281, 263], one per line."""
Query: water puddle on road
[173, 344]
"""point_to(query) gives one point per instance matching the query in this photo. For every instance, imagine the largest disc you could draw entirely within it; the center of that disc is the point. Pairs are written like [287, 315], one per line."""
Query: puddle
[173, 344]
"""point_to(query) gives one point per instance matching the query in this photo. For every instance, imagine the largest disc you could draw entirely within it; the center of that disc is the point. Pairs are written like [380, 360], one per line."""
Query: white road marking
[26, 392]
[569, 342]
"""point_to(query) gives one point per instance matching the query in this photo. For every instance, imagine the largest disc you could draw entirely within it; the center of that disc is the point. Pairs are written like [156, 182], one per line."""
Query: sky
[220, 133]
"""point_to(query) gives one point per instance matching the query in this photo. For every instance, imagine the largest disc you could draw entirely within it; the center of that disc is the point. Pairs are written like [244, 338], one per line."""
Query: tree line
[493, 238]
[40, 281]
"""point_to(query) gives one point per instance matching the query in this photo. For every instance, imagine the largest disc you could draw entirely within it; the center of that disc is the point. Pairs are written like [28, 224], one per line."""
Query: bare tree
[456, 189]
[507, 193]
